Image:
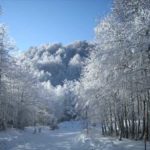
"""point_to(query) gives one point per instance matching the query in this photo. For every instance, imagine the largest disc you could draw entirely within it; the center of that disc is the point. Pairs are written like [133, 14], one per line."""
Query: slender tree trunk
[144, 120]
[138, 123]
[116, 130]
[111, 122]
[126, 123]
[133, 119]
[103, 133]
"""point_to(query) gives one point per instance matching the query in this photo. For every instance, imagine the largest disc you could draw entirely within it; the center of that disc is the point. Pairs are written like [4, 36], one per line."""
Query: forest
[104, 82]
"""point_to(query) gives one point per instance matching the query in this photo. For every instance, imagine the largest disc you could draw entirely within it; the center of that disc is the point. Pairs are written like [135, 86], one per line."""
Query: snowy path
[69, 136]
[60, 139]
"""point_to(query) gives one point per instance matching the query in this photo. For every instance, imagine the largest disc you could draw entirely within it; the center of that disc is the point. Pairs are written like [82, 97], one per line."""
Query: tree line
[114, 89]
[23, 100]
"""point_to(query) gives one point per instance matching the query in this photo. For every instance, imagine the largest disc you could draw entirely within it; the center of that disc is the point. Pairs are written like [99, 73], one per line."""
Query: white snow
[69, 136]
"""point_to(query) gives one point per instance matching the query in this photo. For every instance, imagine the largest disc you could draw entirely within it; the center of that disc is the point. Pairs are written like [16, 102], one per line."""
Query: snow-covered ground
[69, 136]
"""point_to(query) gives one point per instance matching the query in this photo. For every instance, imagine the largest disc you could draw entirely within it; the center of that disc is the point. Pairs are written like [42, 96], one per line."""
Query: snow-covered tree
[115, 81]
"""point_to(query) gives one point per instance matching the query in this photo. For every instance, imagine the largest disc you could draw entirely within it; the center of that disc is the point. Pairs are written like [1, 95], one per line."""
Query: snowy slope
[69, 136]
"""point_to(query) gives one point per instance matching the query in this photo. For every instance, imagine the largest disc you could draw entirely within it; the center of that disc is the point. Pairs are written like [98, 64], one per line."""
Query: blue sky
[35, 22]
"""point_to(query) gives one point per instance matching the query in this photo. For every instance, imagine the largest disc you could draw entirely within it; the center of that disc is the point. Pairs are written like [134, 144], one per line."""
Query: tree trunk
[143, 131]
[126, 123]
